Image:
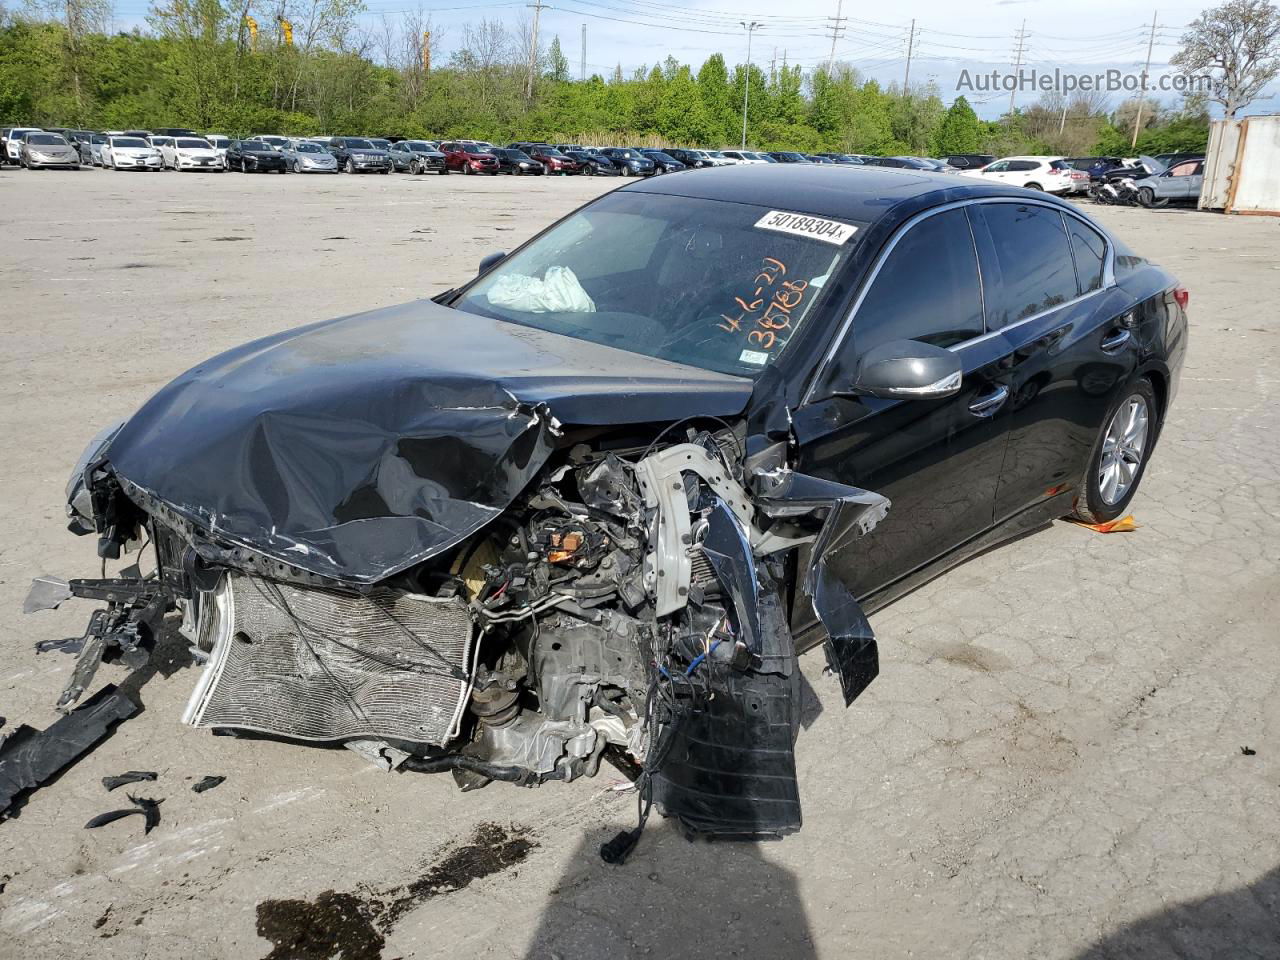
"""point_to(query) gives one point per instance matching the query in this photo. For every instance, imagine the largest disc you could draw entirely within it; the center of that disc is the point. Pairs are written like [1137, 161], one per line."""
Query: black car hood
[358, 447]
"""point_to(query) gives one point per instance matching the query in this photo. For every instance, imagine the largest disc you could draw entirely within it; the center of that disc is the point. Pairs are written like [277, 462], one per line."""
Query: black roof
[863, 194]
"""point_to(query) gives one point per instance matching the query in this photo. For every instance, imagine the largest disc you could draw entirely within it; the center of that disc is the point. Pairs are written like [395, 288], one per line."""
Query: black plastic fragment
[1249, 751]
[29, 757]
[143, 806]
[207, 783]
[132, 776]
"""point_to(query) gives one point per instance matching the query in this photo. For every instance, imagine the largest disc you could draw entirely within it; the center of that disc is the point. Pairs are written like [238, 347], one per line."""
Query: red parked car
[469, 158]
[550, 157]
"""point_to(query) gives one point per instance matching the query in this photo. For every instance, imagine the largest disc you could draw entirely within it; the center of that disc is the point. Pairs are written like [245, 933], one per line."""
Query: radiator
[315, 664]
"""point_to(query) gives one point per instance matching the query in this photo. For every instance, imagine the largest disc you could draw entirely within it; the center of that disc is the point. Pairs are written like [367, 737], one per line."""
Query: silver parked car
[41, 150]
[1180, 183]
[307, 156]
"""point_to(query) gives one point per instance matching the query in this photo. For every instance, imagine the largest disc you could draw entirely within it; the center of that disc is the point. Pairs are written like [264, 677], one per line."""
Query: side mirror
[492, 260]
[908, 370]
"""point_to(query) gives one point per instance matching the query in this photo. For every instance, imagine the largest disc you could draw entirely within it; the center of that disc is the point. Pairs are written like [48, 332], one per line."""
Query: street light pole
[746, 85]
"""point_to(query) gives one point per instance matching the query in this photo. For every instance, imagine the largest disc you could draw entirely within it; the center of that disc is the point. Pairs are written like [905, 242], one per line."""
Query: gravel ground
[1050, 764]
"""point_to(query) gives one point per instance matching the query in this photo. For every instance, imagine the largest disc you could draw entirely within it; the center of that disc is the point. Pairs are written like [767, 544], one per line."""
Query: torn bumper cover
[376, 540]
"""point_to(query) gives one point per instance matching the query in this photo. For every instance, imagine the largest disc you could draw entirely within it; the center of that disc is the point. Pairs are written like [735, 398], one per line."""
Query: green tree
[959, 131]
[557, 62]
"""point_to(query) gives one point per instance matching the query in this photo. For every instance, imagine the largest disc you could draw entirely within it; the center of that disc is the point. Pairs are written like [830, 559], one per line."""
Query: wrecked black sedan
[599, 497]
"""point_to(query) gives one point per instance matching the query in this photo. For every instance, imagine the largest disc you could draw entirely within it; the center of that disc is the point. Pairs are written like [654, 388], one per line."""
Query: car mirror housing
[908, 370]
[492, 260]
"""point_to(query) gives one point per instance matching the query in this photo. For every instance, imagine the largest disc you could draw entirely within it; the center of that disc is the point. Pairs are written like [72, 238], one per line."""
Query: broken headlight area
[633, 599]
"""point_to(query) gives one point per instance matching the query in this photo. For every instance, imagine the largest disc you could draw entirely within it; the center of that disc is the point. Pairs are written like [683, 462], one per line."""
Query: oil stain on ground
[348, 926]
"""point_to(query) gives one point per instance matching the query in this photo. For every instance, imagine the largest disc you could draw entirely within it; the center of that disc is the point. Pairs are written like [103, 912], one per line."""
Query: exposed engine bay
[552, 596]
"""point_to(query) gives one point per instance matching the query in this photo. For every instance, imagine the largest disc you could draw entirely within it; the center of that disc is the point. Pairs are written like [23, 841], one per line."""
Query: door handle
[989, 403]
[1114, 341]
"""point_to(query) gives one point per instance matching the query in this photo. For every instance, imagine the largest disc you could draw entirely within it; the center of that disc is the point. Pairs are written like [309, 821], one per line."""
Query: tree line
[318, 67]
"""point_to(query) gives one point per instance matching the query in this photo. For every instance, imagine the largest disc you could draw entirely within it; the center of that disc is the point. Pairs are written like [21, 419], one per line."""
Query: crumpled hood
[356, 448]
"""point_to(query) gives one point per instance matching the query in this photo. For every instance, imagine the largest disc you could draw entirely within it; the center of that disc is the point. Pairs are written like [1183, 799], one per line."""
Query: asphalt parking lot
[1051, 763]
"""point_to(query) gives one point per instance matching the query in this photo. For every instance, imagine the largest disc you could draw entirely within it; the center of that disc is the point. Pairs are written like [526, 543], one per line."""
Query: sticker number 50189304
[803, 225]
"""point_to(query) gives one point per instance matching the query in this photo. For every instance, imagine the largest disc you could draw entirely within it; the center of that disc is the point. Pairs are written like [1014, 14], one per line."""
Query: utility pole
[1062, 124]
[1142, 96]
[911, 43]
[746, 79]
[837, 30]
[583, 73]
[773, 67]
[1017, 65]
[537, 6]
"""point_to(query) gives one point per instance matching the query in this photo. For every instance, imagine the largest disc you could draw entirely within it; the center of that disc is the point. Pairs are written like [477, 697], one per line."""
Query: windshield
[46, 140]
[689, 280]
[381, 144]
[417, 146]
[129, 142]
[474, 150]
[659, 155]
[548, 151]
[308, 148]
[192, 145]
[257, 146]
[355, 144]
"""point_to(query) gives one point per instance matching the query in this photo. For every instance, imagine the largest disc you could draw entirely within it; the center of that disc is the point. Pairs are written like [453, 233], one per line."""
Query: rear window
[1033, 262]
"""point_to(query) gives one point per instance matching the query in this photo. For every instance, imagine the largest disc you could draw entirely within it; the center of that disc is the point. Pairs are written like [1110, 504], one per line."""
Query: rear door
[938, 461]
[1050, 294]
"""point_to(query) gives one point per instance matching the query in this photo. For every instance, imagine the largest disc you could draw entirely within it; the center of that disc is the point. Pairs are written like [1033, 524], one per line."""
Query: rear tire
[1120, 454]
[1034, 186]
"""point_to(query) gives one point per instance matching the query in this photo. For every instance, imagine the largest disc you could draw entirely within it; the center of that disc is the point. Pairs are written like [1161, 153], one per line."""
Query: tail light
[1181, 296]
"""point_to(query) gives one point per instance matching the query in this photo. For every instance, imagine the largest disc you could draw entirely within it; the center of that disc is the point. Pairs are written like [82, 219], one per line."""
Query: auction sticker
[803, 225]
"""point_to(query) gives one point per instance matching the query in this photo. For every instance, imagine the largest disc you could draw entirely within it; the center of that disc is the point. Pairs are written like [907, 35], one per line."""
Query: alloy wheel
[1123, 448]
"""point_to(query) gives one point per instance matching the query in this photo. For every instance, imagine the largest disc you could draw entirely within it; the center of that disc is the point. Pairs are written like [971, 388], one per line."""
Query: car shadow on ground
[1242, 923]
[671, 899]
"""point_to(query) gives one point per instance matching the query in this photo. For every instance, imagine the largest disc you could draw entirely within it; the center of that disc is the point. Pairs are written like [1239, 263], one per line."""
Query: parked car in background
[789, 156]
[630, 163]
[1050, 174]
[592, 164]
[1182, 182]
[42, 150]
[469, 157]
[968, 161]
[82, 140]
[380, 143]
[219, 142]
[689, 158]
[13, 143]
[174, 132]
[552, 159]
[517, 163]
[844, 159]
[130, 153]
[358, 155]
[1169, 159]
[254, 156]
[159, 141]
[190, 153]
[276, 141]
[663, 162]
[96, 143]
[902, 163]
[307, 156]
[417, 156]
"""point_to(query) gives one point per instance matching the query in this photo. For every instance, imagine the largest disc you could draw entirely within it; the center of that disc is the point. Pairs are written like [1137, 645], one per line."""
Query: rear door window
[1033, 269]
[927, 289]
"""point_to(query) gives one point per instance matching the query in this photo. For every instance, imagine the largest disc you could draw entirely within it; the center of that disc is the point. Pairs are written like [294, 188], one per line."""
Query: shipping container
[1242, 166]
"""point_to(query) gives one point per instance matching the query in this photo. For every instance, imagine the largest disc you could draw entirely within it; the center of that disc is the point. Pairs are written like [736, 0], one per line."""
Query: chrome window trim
[1108, 277]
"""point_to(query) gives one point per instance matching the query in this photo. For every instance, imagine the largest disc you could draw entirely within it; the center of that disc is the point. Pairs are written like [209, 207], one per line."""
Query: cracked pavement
[1048, 766]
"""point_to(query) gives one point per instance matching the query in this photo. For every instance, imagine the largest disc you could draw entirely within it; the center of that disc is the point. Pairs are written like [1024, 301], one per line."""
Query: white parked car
[741, 156]
[190, 153]
[219, 142]
[13, 143]
[130, 153]
[159, 141]
[717, 158]
[1050, 174]
[277, 143]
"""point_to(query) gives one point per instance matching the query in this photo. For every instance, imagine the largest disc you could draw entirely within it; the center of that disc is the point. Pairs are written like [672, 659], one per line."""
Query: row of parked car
[180, 149]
